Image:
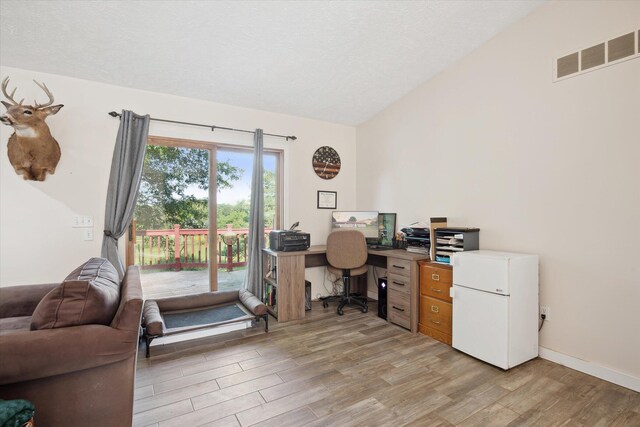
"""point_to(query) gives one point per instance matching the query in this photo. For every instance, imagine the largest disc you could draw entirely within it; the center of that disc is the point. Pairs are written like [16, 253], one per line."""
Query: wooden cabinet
[283, 276]
[435, 303]
[402, 292]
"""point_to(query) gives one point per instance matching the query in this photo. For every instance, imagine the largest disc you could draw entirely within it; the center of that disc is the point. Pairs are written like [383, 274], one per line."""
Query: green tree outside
[168, 173]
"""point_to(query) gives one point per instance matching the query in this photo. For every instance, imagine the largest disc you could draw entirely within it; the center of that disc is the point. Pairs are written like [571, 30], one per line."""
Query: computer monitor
[364, 221]
[387, 227]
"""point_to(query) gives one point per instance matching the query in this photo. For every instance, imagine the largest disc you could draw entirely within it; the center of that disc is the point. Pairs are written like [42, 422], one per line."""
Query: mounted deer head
[31, 149]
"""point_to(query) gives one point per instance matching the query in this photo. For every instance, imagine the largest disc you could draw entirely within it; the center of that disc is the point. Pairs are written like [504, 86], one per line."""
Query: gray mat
[203, 317]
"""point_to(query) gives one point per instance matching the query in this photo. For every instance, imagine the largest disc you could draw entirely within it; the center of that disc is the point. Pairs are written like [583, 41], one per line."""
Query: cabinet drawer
[435, 282]
[399, 308]
[399, 283]
[435, 334]
[399, 266]
[435, 314]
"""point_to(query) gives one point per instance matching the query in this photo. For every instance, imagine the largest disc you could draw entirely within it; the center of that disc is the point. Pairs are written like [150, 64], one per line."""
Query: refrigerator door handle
[451, 292]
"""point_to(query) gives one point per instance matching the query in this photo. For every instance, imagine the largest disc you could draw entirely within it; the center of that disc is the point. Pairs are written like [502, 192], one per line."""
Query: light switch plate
[88, 234]
[79, 221]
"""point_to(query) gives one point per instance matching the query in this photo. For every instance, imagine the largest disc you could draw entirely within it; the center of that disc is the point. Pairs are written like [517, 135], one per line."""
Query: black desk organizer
[450, 240]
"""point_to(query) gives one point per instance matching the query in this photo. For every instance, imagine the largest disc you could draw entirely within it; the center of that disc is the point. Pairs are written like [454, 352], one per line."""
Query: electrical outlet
[88, 234]
[546, 310]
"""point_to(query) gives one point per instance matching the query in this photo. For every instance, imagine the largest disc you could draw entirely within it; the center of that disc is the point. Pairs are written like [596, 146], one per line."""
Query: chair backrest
[346, 249]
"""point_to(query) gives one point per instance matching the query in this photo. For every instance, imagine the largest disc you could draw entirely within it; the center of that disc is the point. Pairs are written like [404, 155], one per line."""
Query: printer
[418, 239]
[288, 240]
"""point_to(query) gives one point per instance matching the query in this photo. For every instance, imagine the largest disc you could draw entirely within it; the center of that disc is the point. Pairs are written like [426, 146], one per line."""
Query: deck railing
[180, 248]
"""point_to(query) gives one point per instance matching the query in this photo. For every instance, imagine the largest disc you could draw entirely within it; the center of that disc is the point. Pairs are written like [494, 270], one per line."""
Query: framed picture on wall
[327, 199]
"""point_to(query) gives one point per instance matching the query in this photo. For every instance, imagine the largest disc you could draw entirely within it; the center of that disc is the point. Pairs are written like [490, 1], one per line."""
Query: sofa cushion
[13, 324]
[89, 295]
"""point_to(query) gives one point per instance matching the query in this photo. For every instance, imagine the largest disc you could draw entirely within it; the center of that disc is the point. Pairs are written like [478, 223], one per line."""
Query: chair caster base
[340, 312]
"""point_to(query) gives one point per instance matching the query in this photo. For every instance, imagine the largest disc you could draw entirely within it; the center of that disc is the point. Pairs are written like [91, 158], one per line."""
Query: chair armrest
[252, 303]
[16, 301]
[29, 355]
[152, 319]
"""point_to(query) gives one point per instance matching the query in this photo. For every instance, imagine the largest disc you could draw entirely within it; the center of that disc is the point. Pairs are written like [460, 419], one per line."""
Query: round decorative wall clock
[326, 162]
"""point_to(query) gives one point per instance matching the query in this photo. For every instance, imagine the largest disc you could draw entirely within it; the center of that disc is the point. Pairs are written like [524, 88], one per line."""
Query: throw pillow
[89, 295]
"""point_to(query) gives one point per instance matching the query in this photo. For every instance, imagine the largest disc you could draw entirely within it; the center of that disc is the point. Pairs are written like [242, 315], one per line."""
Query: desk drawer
[435, 282]
[399, 308]
[435, 314]
[399, 283]
[399, 266]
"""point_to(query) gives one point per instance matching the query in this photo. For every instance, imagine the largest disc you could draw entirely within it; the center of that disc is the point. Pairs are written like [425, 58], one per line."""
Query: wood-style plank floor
[358, 370]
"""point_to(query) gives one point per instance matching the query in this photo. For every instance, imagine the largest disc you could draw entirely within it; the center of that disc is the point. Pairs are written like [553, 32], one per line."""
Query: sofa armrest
[29, 355]
[252, 303]
[129, 312]
[16, 301]
[153, 321]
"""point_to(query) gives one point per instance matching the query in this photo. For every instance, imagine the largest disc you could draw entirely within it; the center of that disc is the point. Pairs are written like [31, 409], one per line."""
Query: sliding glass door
[186, 187]
[232, 210]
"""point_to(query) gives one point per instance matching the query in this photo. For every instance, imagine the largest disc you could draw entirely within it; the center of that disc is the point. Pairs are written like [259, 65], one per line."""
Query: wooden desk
[402, 273]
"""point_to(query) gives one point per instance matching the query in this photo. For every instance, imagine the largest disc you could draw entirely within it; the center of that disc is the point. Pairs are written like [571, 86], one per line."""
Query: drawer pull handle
[436, 290]
[398, 283]
[398, 308]
[398, 266]
[435, 321]
[435, 309]
[435, 277]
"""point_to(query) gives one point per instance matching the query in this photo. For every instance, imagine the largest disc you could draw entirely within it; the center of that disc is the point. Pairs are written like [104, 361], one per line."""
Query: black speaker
[382, 297]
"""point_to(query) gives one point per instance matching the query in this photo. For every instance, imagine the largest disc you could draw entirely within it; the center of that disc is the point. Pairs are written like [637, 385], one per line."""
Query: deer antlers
[47, 91]
[5, 82]
[42, 86]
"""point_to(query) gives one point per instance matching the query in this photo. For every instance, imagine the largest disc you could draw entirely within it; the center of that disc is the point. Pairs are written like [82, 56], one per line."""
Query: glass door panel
[171, 222]
[234, 168]
[182, 193]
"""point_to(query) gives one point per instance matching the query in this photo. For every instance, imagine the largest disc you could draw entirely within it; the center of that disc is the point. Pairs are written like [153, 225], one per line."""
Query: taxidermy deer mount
[32, 150]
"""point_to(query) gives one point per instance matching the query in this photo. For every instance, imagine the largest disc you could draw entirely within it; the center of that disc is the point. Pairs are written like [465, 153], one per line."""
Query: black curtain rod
[290, 137]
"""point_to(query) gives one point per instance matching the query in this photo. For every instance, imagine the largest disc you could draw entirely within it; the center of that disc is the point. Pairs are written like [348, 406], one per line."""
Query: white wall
[37, 243]
[539, 167]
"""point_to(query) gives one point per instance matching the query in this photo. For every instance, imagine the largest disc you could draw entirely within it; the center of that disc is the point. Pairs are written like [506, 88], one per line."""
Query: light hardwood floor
[358, 370]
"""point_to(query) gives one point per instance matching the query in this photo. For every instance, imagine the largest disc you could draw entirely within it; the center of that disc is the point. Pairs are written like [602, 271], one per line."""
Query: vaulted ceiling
[339, 61]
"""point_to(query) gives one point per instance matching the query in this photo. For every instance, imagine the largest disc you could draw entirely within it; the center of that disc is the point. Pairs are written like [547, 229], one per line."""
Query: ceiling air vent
[609, 52]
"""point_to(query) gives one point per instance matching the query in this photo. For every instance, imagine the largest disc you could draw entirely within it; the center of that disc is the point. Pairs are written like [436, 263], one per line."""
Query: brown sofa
[155, 310]
[75, 374]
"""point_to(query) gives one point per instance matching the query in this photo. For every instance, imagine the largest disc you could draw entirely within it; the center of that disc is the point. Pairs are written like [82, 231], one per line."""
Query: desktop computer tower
[307, 295]
[382, 297]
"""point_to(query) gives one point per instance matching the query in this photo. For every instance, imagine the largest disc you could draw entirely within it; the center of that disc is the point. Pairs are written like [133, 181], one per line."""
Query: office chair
[347, 257]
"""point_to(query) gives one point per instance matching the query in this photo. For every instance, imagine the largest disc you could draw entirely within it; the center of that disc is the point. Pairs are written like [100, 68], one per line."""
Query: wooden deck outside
[159, 284]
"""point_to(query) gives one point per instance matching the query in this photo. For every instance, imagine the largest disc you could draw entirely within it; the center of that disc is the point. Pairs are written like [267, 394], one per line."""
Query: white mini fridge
[495, 306]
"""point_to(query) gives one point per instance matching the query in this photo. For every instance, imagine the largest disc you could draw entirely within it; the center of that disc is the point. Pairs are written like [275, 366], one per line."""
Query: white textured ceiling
[337, 61]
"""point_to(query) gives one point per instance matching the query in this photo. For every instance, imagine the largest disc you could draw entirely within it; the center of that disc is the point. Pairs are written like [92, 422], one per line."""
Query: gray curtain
[253, 279]
[124, 182]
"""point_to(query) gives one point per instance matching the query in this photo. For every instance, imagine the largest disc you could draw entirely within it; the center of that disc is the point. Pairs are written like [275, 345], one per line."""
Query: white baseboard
[592, 369]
